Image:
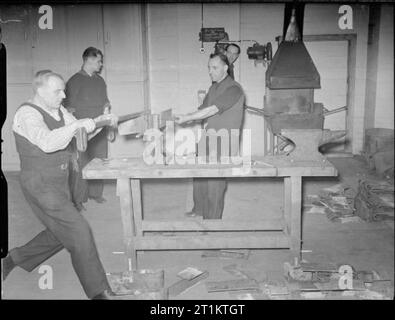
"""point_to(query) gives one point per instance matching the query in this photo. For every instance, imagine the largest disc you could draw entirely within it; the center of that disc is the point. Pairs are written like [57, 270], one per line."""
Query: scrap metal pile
[328, 280]
[337, 202]
[379, 151]
[375, 200]
[299, 280]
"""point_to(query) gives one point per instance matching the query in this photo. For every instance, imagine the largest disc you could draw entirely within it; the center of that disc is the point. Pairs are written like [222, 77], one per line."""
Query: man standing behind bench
[222, 109]
[86, 94]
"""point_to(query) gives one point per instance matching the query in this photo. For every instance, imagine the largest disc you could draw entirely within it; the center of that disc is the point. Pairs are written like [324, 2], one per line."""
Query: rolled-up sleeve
[204, 103]
[228, 98]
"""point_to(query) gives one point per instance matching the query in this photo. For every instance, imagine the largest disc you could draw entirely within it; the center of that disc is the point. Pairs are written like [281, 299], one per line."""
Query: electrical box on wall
[213, 35]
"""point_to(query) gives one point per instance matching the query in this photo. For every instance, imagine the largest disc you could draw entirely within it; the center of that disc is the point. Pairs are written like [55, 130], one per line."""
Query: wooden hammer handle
[130, 116]
[81, 138]
[81, 135]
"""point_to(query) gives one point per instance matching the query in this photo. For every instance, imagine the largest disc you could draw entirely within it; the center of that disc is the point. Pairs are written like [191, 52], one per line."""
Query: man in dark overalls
[222, 109]
[43, 131]
[86, 94]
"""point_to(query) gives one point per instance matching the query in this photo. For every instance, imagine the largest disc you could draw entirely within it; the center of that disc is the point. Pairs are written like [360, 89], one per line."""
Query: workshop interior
[308, 194]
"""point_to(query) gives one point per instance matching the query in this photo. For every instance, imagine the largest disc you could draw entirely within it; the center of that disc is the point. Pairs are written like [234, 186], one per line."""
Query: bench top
[268, 166]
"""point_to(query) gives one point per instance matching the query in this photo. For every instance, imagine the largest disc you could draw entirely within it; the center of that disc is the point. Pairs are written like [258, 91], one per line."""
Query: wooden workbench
[283, 232]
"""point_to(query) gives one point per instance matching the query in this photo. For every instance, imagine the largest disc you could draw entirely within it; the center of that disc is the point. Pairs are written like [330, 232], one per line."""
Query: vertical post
[265, 136]
[156, 125]
[271, 135]
[125, 197]
[351, 71]
[265, 126]
[137, 206]
[296, 214]
[287, 205]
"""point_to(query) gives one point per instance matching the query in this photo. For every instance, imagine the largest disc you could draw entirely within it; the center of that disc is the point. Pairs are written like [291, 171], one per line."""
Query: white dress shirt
[29, 123]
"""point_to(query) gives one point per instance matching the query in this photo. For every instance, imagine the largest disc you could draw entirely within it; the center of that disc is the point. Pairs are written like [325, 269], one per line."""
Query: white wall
[384, 111]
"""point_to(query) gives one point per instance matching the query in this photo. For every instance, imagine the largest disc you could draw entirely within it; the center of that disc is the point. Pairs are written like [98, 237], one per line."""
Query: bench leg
[125, 197]
[293, 212]
[287, 205]
[137, 206]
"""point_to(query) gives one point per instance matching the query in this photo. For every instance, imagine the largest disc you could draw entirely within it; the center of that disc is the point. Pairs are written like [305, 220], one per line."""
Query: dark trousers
[83, 189]
[47, 192]
[209, 193]
[209, 196]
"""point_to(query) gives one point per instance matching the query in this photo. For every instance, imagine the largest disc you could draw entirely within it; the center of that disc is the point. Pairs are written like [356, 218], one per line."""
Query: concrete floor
[365, 246]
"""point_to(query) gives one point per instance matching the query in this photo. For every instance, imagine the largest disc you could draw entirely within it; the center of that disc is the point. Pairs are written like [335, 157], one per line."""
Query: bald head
[48, 88]
[42, 78]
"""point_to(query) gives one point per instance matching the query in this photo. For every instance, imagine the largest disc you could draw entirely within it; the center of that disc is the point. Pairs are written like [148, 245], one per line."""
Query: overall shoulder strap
[34, 106]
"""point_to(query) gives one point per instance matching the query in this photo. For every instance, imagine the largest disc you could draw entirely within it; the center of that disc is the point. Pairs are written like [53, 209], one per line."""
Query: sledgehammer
[81, 135]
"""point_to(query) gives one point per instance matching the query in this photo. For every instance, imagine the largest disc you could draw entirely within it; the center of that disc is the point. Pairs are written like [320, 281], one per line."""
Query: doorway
[334, 57]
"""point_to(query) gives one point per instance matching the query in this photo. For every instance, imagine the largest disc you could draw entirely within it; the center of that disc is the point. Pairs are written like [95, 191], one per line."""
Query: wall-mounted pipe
[329, 112]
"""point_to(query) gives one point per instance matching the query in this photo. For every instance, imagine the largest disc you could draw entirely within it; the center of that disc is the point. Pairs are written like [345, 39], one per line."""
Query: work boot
[98, 199]
[80, 207]
[105, 295]
[7, 265]
[192, 214]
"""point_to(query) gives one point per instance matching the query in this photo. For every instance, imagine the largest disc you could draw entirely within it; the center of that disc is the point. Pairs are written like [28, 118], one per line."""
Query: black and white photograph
[206, 152]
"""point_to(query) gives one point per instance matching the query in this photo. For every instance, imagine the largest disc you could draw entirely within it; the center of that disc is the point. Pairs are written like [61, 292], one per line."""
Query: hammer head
[147, 121]
[133, 126]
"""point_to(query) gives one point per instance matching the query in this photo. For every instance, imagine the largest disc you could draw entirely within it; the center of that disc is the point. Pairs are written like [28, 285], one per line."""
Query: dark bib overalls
[44, 181]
